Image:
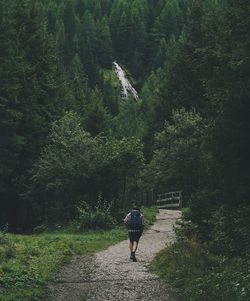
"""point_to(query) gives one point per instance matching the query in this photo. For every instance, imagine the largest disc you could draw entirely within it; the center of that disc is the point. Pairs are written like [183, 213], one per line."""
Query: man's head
[135, 207]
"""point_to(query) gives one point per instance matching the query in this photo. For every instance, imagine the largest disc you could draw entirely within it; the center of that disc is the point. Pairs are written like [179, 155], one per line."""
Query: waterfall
[127, 88]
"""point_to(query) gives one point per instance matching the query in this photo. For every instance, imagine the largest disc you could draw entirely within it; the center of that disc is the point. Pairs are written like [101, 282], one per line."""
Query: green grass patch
[28, 262]
[199, 275]
[149, 215]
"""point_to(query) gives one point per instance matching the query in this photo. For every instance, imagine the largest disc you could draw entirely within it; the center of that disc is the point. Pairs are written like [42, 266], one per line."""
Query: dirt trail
[109, 275]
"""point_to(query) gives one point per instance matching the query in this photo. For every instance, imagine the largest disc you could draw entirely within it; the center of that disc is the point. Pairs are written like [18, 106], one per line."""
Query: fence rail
[169, 200]
[166, 200]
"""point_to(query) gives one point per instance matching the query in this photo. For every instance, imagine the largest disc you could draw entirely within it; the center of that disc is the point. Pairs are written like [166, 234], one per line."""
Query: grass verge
[199, 275]
[149, 215]
[28, 262]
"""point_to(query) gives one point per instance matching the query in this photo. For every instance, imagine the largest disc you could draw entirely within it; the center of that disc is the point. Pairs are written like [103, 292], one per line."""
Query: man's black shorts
[134, 235]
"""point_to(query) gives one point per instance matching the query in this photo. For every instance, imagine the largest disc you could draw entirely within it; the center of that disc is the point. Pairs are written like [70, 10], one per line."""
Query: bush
[41, 229]
[199, 275]
[230, 231]
[202, 203]
[188, 230]
[99, 217]
[186, 213]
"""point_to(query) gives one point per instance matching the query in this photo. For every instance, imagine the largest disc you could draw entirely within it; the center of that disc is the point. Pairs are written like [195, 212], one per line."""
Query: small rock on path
[109, 275]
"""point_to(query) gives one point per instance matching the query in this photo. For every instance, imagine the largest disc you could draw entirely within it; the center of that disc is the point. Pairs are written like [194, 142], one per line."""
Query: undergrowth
[199, 275]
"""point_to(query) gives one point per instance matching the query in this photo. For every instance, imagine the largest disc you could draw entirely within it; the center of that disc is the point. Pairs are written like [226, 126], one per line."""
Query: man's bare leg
[134, 246]
[131, 246]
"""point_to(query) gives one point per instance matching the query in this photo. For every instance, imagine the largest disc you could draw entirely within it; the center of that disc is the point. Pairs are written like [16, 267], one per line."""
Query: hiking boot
[134, 259]
[133, 256]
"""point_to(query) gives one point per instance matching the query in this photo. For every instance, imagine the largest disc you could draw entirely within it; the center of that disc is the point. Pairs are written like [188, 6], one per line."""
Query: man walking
[135, 223]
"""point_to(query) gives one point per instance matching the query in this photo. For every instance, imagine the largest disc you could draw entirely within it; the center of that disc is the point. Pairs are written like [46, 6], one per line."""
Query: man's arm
[126, 218]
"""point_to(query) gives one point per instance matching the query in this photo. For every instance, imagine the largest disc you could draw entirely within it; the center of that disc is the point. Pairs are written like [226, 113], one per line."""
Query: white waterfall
[127, 88]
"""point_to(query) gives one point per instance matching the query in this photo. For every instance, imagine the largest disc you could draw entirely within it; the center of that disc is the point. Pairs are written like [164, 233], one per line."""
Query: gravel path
[110, 275]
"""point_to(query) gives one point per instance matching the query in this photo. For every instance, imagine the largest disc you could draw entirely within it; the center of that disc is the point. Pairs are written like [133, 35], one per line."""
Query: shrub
[202, 203]
[230, 231]
[41, 229]
[99, 217]
[188, 230]
[197, 274]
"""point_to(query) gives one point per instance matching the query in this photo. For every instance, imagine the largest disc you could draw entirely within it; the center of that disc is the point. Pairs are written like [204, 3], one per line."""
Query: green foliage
[128, 122]
[71, 158]
[104, 50]
[185, 230]
[96, 119]
[202, 204]
[224, 230]
[126, 160]
[33, 94]
[230, 231]
[79, 84]
[199, 275]
[75, 166]
[210, 162]
[181, 160]
[99, 217]
[111, 90]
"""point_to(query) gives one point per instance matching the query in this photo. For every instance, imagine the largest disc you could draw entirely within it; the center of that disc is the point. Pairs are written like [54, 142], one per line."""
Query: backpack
[134, 220]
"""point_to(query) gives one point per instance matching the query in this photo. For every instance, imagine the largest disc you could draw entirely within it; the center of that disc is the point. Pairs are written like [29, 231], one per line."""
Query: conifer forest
[108, 102]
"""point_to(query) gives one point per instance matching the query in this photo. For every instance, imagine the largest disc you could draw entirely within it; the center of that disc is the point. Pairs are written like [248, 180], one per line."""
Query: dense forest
[70, 139]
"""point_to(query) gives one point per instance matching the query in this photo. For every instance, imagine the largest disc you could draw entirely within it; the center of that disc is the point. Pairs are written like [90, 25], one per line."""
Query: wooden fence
[169, 200]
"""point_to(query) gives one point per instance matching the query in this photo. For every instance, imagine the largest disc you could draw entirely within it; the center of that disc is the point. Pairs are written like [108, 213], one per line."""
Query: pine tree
[229, 92]
[87, 48]
[78, 84]
[103, 44]
[34, 94]
[70, 24]
[96, 118]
